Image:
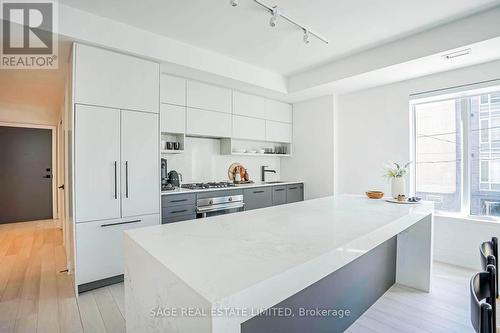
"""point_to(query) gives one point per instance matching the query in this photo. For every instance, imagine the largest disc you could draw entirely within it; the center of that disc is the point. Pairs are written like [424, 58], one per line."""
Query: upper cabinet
[208, 97]
[278, 132]
[194, 108]
[111, 79]
[172, 90]
[208, 123]
[248, 128]
[259, 107]
[172, 119]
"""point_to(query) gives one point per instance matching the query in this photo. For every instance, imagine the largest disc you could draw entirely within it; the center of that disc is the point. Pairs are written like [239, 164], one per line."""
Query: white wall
[374, 128]
[28, 114]
[313, 147]
[457, 240]
[202, 162]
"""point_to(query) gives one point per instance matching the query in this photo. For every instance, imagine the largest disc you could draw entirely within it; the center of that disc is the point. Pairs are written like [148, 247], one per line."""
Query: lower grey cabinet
[294, 193]
[279, 195]
[178, 199]
[178, 207]
[178, 218]
[258, 197]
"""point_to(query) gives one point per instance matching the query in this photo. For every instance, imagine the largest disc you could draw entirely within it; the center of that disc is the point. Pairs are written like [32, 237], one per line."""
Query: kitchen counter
[254, 260]
[241, 186]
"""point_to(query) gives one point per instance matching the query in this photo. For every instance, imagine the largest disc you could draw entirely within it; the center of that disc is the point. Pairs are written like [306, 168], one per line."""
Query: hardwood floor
[36, 297]
[401, 309]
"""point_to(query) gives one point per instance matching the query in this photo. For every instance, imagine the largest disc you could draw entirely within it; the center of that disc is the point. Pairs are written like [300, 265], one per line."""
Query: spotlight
[274, 16]
[306, 36]
[233, 3]
[272, 21]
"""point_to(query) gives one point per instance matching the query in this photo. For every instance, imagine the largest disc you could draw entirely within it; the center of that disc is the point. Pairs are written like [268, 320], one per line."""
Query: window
[457, 153]
[438, 151]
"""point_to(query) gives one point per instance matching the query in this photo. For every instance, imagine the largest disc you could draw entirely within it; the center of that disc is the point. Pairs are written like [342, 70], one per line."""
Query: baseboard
[99, 283]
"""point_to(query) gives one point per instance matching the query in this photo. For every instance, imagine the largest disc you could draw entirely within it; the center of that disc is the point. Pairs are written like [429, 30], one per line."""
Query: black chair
[489, 256]
[483, 300]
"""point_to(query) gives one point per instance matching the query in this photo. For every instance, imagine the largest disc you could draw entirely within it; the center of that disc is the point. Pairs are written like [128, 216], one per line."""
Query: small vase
[398, 187]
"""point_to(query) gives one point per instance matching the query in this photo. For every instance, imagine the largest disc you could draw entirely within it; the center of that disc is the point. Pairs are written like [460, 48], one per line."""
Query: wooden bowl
[374, 194]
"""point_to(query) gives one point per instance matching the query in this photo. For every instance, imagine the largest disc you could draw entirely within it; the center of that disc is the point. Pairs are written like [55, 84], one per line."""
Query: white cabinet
[278, 132]
[116, 163]
[112, 79]
[97, 163]
[208, 97]
[277, 117]
[139, 155]
[172, 118]
[279, 111]
[259, 107]
[249, 128]
[172, 90]
[208, 123]
[99, 246]
[249, 105]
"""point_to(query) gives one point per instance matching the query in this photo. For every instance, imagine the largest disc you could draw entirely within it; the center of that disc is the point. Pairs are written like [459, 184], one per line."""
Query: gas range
[202, 186]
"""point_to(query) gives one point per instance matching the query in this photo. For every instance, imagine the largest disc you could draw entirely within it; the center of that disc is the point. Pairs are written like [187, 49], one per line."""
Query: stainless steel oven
[219, 205]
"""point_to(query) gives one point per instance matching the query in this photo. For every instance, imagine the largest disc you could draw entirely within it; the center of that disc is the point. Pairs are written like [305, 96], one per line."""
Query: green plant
[395, 170]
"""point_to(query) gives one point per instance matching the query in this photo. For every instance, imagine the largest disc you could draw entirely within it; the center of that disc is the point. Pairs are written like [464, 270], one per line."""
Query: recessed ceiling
[243, 32]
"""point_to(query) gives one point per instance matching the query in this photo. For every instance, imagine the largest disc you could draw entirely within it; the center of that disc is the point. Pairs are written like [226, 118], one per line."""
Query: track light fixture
[274, 17]
[306, 36]
[276, 12]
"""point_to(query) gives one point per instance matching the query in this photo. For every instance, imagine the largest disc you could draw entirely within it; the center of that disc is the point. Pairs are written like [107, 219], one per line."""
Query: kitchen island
[275, 269]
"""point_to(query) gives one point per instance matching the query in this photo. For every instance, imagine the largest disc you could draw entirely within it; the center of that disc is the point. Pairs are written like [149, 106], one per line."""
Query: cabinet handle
[116, 186]
[119, 223]
[126, 179]
[255, 192]
[178, 200]
[279, 189]
[293, 188]
[178, 211]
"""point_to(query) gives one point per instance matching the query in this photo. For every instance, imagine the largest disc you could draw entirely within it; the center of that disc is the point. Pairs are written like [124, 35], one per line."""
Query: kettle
[175, 178]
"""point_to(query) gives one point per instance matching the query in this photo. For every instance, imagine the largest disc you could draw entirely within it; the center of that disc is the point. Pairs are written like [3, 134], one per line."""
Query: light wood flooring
[401, 309]
[36, 297]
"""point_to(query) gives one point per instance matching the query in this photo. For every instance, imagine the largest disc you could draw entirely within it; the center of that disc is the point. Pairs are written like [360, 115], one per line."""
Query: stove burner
[167, 187]
[201, 186]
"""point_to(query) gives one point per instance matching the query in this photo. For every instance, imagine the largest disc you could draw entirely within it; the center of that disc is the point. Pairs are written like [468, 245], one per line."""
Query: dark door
[25, 174]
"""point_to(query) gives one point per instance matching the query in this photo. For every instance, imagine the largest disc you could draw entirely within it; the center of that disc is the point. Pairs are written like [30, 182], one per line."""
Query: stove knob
[230, 199]
[211, 202]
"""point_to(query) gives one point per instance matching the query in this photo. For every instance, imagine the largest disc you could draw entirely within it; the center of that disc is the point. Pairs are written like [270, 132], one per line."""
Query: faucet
[263, 171]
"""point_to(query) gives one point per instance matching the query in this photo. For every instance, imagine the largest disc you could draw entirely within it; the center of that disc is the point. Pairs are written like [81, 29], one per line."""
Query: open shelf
[172, 137]
[258, 154]
[171, 151]
[228, 147]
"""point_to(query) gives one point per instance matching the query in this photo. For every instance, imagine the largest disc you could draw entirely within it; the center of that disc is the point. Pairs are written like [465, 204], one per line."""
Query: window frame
[466, 163]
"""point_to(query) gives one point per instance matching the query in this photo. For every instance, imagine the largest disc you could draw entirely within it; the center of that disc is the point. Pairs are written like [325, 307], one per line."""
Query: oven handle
[220, 207]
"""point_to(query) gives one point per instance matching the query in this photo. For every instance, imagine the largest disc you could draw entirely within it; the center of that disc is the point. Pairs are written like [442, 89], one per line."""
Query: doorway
[26, 173]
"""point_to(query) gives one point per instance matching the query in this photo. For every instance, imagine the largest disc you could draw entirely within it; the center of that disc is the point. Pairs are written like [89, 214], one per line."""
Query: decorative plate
[406, 202]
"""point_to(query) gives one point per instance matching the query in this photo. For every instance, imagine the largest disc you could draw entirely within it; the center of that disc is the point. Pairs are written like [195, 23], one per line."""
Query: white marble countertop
[238, 186]
[260, 257]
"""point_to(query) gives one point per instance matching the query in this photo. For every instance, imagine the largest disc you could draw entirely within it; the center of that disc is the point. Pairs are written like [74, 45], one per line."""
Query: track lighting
[457, 54]
[306, 36]
[274, 17]
[272, 21]
[278, 12]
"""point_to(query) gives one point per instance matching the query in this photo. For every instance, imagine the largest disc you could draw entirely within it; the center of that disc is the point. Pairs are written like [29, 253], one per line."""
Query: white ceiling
[243, 32]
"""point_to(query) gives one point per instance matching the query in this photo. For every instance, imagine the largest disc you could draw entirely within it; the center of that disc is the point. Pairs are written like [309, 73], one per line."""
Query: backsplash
[202, 162]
